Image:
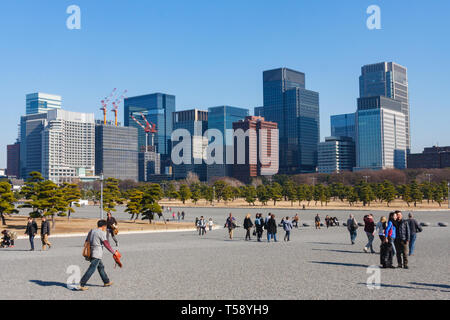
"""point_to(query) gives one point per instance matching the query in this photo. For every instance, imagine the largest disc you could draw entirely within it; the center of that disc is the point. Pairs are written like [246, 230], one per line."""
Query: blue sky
[209, 52]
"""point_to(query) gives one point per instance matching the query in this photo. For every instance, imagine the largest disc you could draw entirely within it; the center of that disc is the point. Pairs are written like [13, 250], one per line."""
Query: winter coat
[287, 225]
[248, 223]
[369, 225]
[45, 228]
[31, 229]
[414, 226]
[403, 232]
[272, 226]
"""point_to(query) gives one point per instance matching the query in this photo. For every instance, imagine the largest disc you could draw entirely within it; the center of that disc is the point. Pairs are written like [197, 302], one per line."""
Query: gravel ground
[316, 264]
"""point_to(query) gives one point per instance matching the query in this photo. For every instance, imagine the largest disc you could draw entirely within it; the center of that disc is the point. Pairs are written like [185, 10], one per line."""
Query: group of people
[202, 224]
[397, 236]
[32, 229]
[260, 224]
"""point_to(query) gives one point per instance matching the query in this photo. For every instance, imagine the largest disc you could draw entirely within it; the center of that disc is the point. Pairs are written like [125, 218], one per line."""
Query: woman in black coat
[272, 228]
[248, 224]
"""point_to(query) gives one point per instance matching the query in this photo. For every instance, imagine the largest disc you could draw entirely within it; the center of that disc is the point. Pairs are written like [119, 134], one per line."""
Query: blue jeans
[412, 243]
[369, 245]
[274, 235]
[353, 235]
[31, 237]
[287, 236]
[95, 264]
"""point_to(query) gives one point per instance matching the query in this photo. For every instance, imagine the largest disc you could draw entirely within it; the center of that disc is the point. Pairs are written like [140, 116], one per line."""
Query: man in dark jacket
[31, 231]
[414, 228]
[369, 228]
[402, 240]
[45, 233]
[272, 228]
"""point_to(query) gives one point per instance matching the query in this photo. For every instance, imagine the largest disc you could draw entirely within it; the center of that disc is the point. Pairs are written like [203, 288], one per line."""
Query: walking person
[196, 223]
[414, 228]
[178, 216]
[381, 227]
[259, 225]
[210, 224]
[201, 226]
[182, 215]
[173, 216]
[231, 225]
[248, 225]
[369, 228]
[97, 240]
[402, 241]
[266, 225]
[352, 226]
[45, 233]
[287, 226]
[327, 221]
[31, 231]
[317, 221]
[295, 221]
[272, 229]
[111, 224]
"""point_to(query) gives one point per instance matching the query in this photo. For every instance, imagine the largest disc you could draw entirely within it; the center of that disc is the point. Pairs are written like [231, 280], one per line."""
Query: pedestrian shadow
[49, 283]
[341, 244]
[396, 286]
[340, 251]
[341, 264]
[441, 286]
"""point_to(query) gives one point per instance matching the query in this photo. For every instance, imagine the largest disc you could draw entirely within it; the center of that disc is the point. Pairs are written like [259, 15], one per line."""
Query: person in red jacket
[369, 228]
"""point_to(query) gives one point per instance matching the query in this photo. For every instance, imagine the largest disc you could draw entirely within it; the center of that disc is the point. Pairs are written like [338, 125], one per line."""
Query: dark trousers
[95, 264]
[31, 238]
[247, 235]
[111, 234]
[201, 231]
[287, 236]
[386, 254]
[259, 233]
[402, 252]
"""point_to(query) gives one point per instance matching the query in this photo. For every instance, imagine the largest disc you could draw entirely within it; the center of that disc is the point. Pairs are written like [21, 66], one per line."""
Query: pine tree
[134, 204]
[72, 195]
[6, 201]
[184, 193]
[150, 198]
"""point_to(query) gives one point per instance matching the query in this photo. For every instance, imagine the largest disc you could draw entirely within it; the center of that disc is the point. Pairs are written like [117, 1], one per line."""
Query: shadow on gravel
[340, 251]
[442, 286]
[341, 264]
[395, 286]
[49, 283]
[341, 244]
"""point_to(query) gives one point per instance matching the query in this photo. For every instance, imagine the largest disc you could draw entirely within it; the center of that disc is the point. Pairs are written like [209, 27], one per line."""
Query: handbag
[87, 248]
[254, 232]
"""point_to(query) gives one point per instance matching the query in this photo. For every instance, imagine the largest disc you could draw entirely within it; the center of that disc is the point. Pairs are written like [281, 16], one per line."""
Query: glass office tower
[222, 118]
[158, 109]
[296, 111]
[381, 134]
[387, 79]
[42, 102]
[344, 125]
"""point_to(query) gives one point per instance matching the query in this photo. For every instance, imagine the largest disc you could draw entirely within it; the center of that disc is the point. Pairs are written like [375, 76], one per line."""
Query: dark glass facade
[158, 109]
[296, 111]
[31, 128]
[13, 160]
[116, 152]
[344, 125]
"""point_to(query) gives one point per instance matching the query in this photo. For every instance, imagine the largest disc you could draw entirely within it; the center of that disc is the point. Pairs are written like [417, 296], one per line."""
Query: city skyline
[85, 69]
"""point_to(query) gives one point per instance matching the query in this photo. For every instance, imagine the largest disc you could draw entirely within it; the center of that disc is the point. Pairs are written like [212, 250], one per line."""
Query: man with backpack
[352, 226]
[231, 225]
[96, 239]
[201, 226]
[259, 224]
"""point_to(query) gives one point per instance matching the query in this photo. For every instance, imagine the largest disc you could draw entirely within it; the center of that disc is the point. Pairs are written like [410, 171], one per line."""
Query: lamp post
[214, 195]
[448, 195]
[101, 196]
[367, 178]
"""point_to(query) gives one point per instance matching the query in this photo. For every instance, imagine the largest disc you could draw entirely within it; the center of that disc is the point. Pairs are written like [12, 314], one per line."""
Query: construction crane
[152, 128]
[148, 129]
[104, 103]
[116, 105]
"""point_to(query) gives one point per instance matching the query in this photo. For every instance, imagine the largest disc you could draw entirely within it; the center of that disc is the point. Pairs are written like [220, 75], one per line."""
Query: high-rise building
[296, 111]
[387, 79]
[344, 125]
[259, 112]
[116, 151]
[380, 131]
[259, 151]
[68, 146]
[196, 123]
[157, 108]
[31, 128]
[13, 160]
[42, 102]
[336, 154]
[222, 118]
[149, 164]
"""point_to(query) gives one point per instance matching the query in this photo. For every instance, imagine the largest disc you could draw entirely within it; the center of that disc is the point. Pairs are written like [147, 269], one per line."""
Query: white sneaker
[366, 250]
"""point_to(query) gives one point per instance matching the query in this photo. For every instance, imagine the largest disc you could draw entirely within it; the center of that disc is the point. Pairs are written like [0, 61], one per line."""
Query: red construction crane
[116, 105]
[151, 127]
[147, 130]
[104, 103]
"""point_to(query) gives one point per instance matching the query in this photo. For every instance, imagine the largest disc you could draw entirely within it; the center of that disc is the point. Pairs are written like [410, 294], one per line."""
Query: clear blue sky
[210, 52]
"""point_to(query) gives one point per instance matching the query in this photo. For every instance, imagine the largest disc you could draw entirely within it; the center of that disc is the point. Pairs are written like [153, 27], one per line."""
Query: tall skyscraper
[260, 149]
[222, 118]
[387, 79]
[336, 154]
[42, 102]
[68, 146]
[13, 160]
[344, 125]
[196, 123]
[296, 111]
[381, 131]
[31, 128]
[116, 151]
[158, 109]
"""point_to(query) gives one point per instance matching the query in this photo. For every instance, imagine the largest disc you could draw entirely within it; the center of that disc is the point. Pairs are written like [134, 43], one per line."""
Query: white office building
[68, 146]
[42, 102]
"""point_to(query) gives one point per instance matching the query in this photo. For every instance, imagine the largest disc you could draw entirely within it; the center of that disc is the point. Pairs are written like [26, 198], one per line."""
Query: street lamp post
[448, 195]
[214, 195]
[101, 196]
